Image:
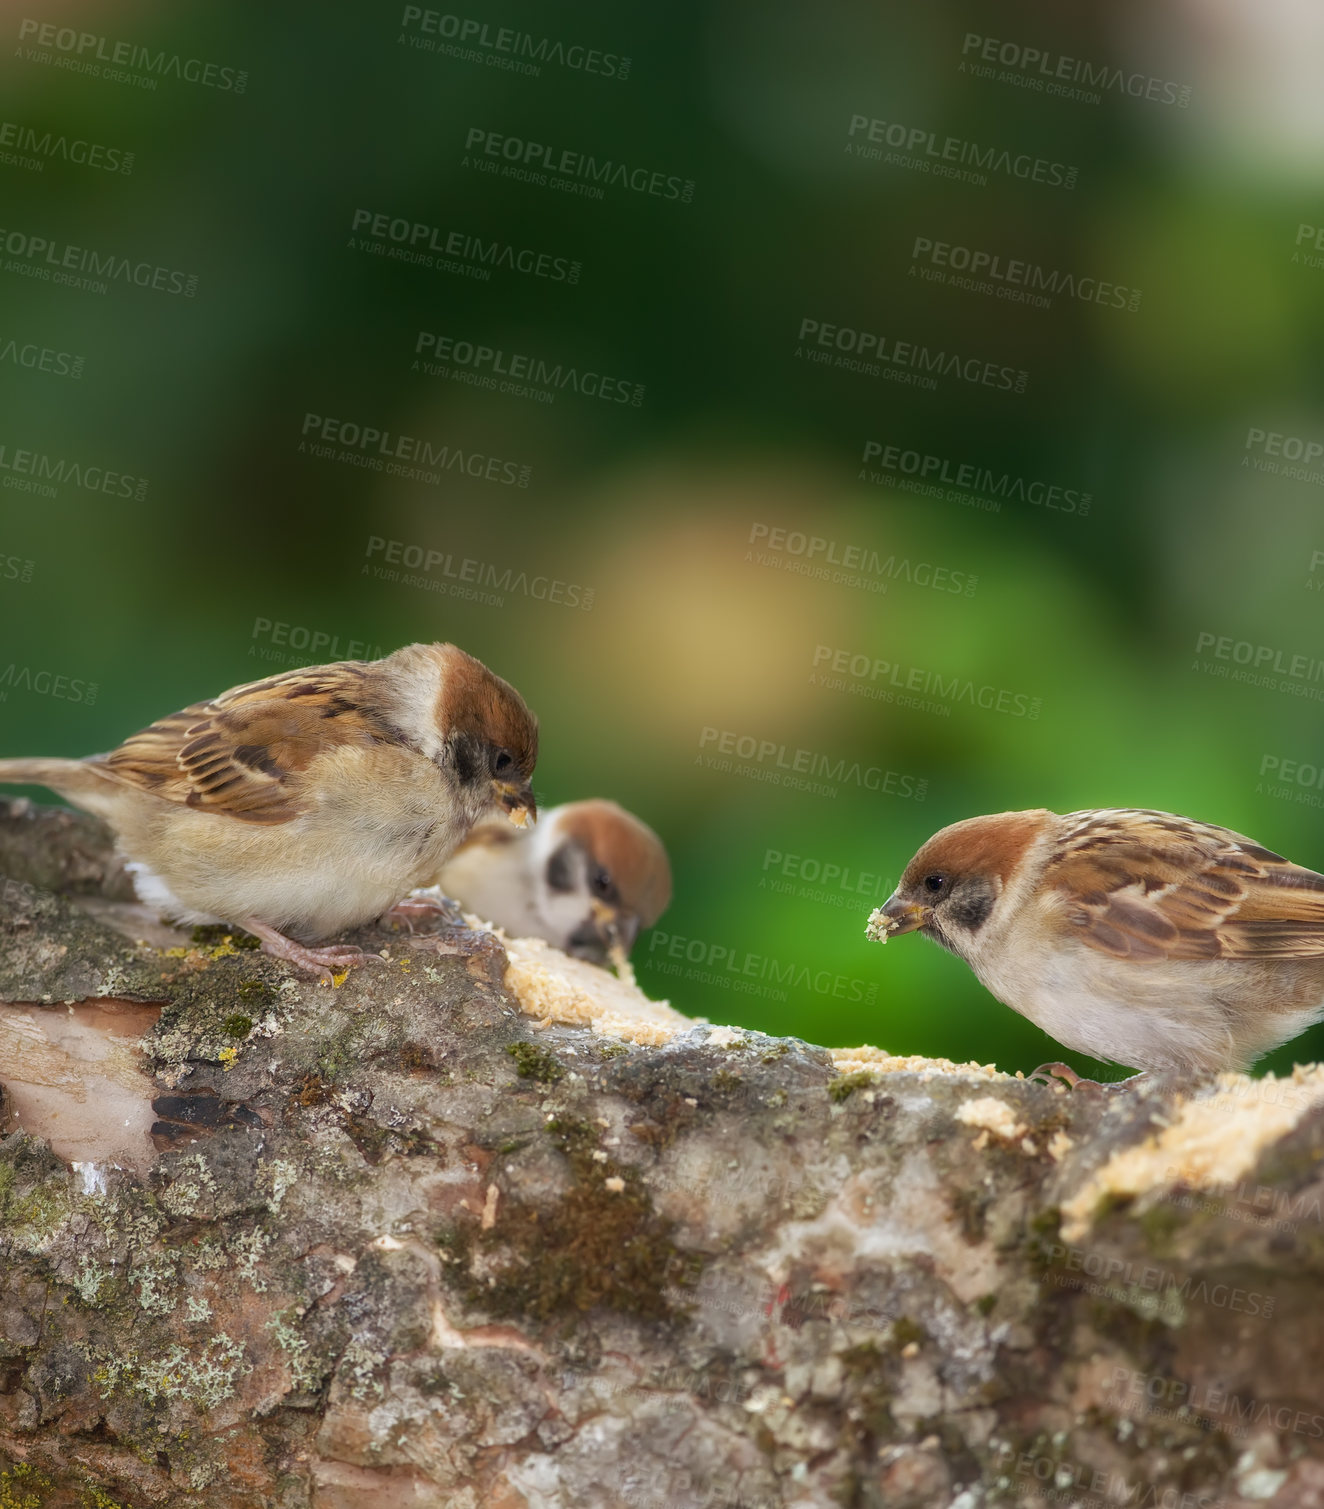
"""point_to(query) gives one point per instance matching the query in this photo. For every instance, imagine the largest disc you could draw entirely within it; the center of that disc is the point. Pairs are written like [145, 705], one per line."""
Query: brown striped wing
[1150, 886]
[243, 753]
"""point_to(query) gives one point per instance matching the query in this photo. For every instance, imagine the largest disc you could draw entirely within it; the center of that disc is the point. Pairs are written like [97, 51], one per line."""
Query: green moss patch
[600, 1244]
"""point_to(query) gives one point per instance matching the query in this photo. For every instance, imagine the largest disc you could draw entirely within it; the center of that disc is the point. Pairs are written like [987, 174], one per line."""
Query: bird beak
[517, 803]
[605, 936]
[618, 928]
[897, 915]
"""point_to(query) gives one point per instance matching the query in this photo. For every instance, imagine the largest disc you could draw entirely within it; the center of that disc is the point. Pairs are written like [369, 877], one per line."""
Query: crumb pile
[1212, 1140]
[876, 1061]
[554, 987]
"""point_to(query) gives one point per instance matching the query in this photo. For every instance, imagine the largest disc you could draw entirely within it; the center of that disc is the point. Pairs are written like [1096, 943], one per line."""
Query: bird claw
[464, 942]
[481, 951]
[325, 963]
[1046, 1074]
[418, 908]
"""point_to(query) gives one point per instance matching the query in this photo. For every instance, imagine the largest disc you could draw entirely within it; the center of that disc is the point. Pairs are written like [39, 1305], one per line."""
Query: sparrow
[313, 801]
[586, 879]
[1135, 936]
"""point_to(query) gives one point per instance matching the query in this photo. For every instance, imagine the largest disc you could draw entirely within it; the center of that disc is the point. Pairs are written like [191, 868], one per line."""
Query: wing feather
[243, 753]
[1150, 886]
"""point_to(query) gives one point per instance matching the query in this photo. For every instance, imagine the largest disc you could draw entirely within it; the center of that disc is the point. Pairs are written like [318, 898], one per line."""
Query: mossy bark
[399, 1247]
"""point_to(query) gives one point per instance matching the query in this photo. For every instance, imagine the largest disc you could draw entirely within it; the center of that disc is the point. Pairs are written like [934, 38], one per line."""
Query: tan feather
[1147, 886]
[242, 753]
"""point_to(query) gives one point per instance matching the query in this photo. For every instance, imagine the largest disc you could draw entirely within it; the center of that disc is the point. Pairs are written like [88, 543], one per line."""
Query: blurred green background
[1106, 623]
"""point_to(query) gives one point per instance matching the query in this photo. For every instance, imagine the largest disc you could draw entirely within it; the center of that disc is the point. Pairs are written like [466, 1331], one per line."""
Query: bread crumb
[992, 1115]
[1211, 1140]
[855, 1060]
[490, 1208]
[553, 987]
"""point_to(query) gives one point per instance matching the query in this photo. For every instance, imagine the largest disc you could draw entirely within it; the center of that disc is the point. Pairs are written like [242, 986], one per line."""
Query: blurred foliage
[156, 600]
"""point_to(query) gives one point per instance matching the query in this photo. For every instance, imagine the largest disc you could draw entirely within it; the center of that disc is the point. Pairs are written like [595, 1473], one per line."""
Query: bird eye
[501, 762]
[934, 882]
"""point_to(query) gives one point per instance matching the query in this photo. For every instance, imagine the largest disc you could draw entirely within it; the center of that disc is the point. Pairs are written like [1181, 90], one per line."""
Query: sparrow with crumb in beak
[586, 879]
[1134, 936]
[313, 801]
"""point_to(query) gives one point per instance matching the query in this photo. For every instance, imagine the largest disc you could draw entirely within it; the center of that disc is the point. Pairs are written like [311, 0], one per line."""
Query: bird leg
[449, 934]
[317, 961]
[418, 909]
[1047, 1073]
[465, 943]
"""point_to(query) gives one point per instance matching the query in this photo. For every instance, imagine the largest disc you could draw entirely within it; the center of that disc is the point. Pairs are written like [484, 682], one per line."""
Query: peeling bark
[391, 1244]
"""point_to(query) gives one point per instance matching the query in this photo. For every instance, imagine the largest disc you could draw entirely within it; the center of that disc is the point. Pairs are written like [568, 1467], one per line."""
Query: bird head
[952, 886]
[480, 730]
[604, 876]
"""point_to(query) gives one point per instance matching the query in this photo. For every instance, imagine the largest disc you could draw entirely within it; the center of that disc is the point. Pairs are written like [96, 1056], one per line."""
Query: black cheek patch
[469, 761]
[970, 903]
[560, 871]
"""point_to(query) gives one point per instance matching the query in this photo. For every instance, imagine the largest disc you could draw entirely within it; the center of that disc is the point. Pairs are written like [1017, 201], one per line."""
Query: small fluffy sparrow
[310, 802]
[1135, 936]
[586, 879]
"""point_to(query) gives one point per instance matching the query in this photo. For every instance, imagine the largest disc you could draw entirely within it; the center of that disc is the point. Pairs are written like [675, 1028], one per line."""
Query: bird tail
[75, 780]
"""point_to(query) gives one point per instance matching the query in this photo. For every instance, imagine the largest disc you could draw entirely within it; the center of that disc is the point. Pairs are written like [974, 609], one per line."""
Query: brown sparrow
[312, 801]
[1131, 935]
[586, 879]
